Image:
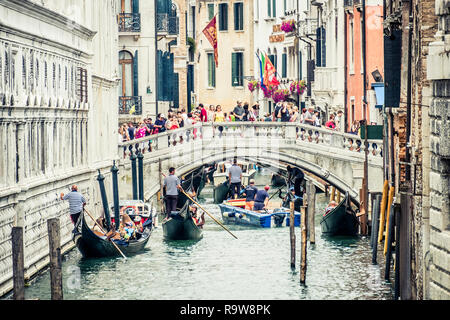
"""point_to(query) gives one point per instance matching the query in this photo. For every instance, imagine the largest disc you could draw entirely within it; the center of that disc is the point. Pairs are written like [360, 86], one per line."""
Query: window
[211, 71]
[239, 16]
[125, 74]
[237, 71]
[82, 85]
[223, 16]
[352, 48]
[284, 65]
[210, 11]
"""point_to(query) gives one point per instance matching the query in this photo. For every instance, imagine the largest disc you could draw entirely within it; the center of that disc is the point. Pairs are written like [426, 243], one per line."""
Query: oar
[276, 192]
[181, 189]
[115, 245]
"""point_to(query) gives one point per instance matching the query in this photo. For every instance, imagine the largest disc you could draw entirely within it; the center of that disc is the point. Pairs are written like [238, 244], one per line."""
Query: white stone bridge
[337, 158]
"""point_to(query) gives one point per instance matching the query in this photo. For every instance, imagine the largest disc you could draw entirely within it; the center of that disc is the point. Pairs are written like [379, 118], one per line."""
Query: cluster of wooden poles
[386, 226]
[54, 240]
[307, 227]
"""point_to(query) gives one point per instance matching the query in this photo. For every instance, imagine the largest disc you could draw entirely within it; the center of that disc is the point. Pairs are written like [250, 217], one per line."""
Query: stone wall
[56, 89]
[437, 261]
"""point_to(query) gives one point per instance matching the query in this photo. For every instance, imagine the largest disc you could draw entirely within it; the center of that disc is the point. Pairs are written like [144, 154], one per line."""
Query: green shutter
[225, 16]
[268, 8]
[274, 8]
[284, 65]
[211, 11]
[135, 6]
[284, 5]
[211, 70]
[234, 69]
[241, 16]
[135, 75]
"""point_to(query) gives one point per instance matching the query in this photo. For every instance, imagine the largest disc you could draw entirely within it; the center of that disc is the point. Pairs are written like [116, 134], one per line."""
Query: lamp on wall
[377, 76]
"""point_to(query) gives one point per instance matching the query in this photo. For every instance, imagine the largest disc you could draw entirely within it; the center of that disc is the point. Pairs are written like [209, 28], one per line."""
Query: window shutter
[135, 75]
[318, 48]
[234, 69]
[211, 11]
[274, 8]
[392, 62]
[324, 47]
[135, 6]
[175, 92]
[241, 16]
[268, 8]
[225, 16]
[284, 65]
[236, 14]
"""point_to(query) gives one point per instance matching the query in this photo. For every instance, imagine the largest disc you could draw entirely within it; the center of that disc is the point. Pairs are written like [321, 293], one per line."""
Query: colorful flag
[270, 73]
[210, 32]
[261, 70]
[133, 109]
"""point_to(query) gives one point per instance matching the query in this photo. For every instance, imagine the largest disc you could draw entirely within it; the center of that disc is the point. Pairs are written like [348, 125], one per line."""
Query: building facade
[57, 85]
[136, 62]
[227, 83]
[374, 62]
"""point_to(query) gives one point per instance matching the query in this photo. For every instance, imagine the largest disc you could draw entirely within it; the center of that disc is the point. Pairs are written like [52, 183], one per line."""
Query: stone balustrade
[301, 133]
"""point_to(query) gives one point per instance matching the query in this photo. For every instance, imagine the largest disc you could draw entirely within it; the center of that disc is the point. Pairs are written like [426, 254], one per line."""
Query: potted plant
[288, 26]
[297, 87]
[253, 84]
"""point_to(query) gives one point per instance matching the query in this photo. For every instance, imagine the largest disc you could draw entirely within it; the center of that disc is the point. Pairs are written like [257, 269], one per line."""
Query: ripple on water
[255, 266]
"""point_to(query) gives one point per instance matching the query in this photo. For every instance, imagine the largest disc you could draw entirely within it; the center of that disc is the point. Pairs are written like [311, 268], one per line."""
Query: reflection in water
[254, 266]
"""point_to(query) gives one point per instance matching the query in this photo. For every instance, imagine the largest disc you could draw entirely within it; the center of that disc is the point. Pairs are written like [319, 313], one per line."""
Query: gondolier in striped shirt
[76, 203]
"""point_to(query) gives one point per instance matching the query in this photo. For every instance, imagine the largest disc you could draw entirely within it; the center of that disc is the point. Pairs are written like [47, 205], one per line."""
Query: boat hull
[239, 216]
[341, 221]
[92, 246]
[175, 229]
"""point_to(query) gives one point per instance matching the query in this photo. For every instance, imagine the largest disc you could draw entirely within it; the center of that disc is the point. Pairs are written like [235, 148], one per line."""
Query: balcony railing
[130, 105]
[129, 22]
[307, 27]
[167, 24]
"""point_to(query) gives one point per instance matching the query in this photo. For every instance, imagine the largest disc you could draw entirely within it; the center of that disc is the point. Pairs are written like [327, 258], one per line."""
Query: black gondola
[341, 221]
[277, 180]
[195, 183]
[181, 225]
[93, 246]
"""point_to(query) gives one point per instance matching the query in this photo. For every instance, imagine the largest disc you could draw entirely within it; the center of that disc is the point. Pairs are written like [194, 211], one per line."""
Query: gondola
[92, 245]
[341, 221]
[181, 226]
[277, 180]
[221, 192]
[194, 183]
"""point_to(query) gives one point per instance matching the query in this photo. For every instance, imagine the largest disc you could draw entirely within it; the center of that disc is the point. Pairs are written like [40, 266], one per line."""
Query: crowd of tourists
[283, 112]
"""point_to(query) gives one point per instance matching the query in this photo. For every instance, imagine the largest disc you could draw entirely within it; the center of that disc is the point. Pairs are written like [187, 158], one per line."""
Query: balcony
[167, 25]
[308, 27]
[129, 22]
[326, 79]
[130, 105]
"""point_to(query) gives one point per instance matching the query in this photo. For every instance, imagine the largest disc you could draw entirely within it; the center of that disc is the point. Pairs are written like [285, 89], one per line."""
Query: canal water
[254, 266]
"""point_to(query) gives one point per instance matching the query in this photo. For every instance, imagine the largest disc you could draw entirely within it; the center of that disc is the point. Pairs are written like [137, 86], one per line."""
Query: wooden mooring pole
[304, 228]
[375, 226]
[18, 263]
[292, 233]
[311, 212]
[54, 240]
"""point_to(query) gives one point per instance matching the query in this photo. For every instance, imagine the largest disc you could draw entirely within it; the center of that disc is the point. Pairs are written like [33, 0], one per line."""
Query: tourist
[261, 199]
[160, 123]
[180, 119]
[295, 177]
[76, 203]
[140, 133]
[302, 115]
[284, 113]
[238, 112]
[235, 177]
[308, 119]
[267, 117]
[354, 127]
[123, 132]
[171, 186]
[295, 115]
[330, 207]
[203, 113]
[184, 114]
[255, 110]
[211, 112]
[277, 112]
[174, 124]
[330, 123]
[232, 116]
[131, 130]
[246, 112]
[317, 119]
[219, 116]
[252, 115]
[339, 121]
[250, 193]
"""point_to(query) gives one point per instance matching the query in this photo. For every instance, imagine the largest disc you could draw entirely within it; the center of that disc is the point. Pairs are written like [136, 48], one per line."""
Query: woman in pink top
[140, 133]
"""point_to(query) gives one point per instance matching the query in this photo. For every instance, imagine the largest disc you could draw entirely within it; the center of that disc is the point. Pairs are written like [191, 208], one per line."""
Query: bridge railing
[300, 133]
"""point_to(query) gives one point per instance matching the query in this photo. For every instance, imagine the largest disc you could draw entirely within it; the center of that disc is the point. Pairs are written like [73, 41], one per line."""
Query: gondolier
[171, 186]
[295, 177]
[76, 203]
[235, 176]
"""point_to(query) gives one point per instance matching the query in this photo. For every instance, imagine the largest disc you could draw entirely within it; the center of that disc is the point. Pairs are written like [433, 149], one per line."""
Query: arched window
[125, 74]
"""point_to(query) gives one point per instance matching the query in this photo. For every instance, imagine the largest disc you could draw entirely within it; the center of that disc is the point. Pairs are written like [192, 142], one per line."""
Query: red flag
[210, 32]
[270, 73]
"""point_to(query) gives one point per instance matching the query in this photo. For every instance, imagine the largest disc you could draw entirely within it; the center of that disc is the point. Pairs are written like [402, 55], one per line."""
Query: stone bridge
[337, 158]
